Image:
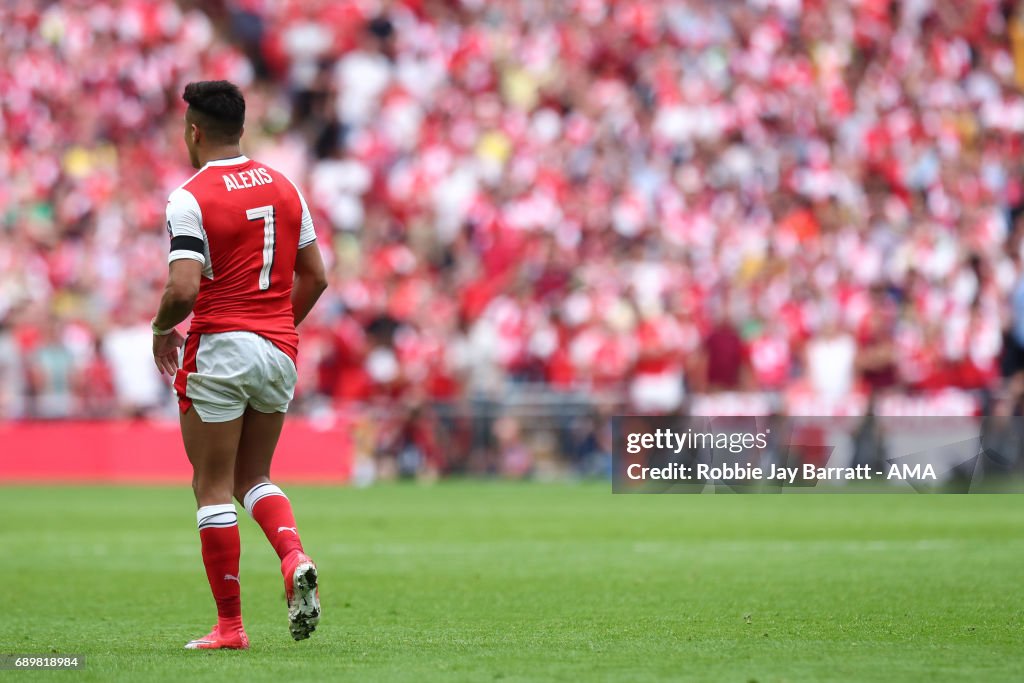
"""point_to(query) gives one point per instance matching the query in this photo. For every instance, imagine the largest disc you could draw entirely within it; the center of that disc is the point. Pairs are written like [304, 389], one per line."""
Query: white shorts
[222, 373]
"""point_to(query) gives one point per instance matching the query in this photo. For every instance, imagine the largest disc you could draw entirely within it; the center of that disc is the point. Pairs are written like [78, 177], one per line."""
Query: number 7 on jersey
[267, 214]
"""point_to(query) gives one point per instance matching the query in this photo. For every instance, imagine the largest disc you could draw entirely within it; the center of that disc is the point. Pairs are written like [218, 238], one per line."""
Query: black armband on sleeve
[187, 243]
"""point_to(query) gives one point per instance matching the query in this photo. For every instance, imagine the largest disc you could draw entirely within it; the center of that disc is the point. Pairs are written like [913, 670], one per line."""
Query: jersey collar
[233, 161]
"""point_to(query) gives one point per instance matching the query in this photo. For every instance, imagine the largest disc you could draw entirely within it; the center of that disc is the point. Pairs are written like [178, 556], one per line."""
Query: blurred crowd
[635, 199]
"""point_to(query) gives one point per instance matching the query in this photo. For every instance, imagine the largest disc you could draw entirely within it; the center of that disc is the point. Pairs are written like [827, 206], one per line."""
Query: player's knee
[211, 491]
[243, 487]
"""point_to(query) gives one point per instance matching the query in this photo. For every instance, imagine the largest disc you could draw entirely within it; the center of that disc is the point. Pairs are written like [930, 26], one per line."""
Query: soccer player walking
[244, 260]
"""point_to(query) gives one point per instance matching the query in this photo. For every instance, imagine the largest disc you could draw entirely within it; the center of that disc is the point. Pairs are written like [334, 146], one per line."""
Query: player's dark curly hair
[217, 107]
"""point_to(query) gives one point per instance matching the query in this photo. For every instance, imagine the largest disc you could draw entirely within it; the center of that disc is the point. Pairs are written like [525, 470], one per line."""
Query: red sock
[218, 535]
[273, 512]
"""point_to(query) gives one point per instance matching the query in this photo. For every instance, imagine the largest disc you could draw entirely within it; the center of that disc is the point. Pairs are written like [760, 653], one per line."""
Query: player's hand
[165, 352]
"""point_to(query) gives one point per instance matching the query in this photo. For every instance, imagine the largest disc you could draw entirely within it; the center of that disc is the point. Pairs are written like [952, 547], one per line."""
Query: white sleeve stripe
[184, 215]
[306, 243]
[307, 233]
[186, 253]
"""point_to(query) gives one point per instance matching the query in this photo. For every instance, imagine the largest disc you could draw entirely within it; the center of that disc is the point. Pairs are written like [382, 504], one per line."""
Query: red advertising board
[140, 451]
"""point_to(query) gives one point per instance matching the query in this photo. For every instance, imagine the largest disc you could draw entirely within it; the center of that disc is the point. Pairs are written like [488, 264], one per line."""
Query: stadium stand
[535, 203]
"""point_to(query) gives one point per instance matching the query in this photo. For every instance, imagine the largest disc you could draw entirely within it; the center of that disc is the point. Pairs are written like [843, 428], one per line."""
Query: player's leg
[268, 401]
[211, 447]
[268, 505]
[263, 500]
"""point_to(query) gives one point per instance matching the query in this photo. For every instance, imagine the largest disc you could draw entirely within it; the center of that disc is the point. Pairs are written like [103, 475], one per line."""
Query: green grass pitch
[471, 581]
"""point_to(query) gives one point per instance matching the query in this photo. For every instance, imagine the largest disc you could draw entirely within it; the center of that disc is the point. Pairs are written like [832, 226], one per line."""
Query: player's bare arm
[310, 281]
[179, 297]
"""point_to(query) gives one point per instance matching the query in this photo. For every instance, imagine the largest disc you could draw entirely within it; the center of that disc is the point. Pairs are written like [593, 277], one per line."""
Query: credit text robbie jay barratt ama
[746, 472]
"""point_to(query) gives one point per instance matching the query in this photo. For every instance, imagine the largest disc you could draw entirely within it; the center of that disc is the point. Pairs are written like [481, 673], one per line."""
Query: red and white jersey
[245, 223]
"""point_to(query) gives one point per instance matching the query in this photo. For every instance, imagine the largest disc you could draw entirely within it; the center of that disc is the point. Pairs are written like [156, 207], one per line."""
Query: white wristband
[157, 331]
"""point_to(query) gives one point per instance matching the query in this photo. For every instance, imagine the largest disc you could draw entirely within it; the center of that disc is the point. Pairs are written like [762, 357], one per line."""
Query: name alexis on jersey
[244, 179]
